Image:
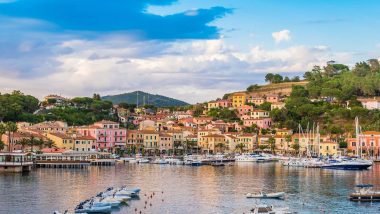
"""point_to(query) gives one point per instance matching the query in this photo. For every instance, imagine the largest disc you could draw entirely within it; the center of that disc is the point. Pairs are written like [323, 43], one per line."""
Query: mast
[357, 135]
[318, 139]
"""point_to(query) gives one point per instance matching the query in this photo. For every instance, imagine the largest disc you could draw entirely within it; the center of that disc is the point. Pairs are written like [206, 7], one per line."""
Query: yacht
[143, 160]
[246, 158]
[160, 161]
[347, 164]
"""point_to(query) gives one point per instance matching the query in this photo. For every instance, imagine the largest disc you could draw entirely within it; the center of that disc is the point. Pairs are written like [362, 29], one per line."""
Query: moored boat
[365, 193]
[275, 195]
[347, 164]
[269, 209]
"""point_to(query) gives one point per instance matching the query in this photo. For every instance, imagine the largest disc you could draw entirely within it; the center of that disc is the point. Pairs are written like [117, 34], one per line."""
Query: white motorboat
[114, 202]
[89, 206]
[143, 160]
[245, 158]
[171, 160]
[348, 164]
[133, 161]
[275, 195]
[266, 209]
[160, 161]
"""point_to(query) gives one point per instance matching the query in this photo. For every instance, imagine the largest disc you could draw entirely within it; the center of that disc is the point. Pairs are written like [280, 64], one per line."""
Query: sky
[193, 50]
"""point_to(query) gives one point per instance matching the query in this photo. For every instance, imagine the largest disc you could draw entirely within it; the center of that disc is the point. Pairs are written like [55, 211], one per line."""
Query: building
[244, 109]
[108, 135]
[238, 99]
[256, 100]
[262, 123]
[151, 140]
[277, 105]
[61, 140]
[258, 113]
[50, 126]
[370, 103]
[166, 143]
[249, 141]
[84, 143]
[209, 143]
[272, 98]
[328, 148]
[212, 105]
[224, 103]
[370, 144]
[135, 141]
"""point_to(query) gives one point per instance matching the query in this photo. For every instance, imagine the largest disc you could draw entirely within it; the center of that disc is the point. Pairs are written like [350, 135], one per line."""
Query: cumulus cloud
[280, 36]
[191, 70]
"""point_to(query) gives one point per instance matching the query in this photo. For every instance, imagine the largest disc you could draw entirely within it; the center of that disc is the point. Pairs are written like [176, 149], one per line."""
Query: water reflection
[186, 189]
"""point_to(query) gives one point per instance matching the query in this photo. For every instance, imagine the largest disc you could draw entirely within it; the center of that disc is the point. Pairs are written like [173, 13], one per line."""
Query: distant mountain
[150, 99]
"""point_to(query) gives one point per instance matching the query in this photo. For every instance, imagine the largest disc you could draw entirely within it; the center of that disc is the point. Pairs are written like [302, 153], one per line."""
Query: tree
[50, 144]
[263, 147]
[296, 79]
[23, 142]
[374, 65]
[32, 142]
[240, 147]
[2, 145]
[269, 77]
[296, 147]
[288, 139]
[277, 78]
[253, 87]
[272, 144]
[10, 128]
[220, 147]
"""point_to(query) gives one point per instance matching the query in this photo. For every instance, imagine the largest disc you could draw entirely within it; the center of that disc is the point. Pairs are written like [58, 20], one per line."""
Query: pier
[15, 162]
[73, 159]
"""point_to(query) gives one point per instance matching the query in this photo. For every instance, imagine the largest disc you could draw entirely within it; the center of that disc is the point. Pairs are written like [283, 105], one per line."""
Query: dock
[15, 162]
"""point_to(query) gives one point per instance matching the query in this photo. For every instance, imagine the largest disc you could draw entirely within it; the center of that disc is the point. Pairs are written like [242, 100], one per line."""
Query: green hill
[150, 99]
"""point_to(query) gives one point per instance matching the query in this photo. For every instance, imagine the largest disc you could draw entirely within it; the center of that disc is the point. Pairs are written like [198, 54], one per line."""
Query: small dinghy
[275, 195]
[266, 209]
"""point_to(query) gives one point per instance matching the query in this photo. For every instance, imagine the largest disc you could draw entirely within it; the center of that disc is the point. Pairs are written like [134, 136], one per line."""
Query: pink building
[244, 109]
[262, 123]
[224, 103]
[273, 98]
[108, 135]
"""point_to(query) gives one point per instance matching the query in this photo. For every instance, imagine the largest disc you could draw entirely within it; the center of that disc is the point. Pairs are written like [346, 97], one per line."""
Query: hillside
[284, 88]
[149, 99]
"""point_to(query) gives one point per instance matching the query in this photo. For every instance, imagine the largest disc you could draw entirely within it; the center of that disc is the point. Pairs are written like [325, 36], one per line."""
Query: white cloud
[280, 36]
[193, 71]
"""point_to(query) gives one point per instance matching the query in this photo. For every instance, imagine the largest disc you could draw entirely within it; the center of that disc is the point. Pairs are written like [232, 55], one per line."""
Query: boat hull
[348, 167]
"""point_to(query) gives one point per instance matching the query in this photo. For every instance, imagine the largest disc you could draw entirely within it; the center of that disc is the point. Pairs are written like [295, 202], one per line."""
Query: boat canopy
[364, 185]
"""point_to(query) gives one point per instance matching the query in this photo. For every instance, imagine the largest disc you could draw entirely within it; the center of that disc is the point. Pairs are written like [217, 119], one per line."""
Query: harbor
[188, 189]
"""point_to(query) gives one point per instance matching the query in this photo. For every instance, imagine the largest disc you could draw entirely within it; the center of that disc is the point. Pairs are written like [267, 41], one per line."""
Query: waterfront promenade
[204, 189]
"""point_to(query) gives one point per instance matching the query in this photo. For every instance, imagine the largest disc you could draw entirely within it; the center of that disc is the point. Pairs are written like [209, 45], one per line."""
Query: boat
[245, 158]
[143, 160]
[171, 160]
[264, 158]
[266, 209]
[196, 163]
[216, 164]
[89, 206]
[347, 164]
[365, 193]
[275, 195]
[114, 202]
[160, 161]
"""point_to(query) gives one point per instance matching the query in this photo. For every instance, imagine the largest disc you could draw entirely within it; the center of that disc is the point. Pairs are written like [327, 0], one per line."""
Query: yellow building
[249, 141]
[208, 143]
[212, 104]
[166, 142]
[328, 148]
[238, 99]
[84, 143]
[151, 139]
[61, 141]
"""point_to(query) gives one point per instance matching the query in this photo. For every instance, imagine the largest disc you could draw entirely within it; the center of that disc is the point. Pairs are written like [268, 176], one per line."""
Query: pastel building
[370, 143]
[108, 135]
[256, 100]
[263, 123]
[238, 99]
[370, 103]
[244, 109]
[258, 113]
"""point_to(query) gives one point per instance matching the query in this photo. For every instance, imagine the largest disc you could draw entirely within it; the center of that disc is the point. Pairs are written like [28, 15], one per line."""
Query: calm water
[188, 189]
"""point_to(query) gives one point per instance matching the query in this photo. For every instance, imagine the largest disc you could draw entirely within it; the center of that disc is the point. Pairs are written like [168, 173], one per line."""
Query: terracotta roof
[107, 122]
[371, 133]
[213, 135]
[84, 138]
[60, 135]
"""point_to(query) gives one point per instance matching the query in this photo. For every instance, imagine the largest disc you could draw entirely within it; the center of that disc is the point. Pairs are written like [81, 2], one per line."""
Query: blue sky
[194, 50]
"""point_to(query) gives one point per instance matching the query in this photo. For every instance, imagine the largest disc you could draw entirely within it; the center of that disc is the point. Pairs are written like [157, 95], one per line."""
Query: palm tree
[50, 144]
[272, 144]
[10, 128]
[32, 142]
[2, 131]
[40, 143]
[23, 142]
[296, 147]
[220, 147]
[240, 147]
[288, 139]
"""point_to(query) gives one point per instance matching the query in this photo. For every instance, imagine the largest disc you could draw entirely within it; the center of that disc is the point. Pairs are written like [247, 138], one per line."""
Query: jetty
[15, 162]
